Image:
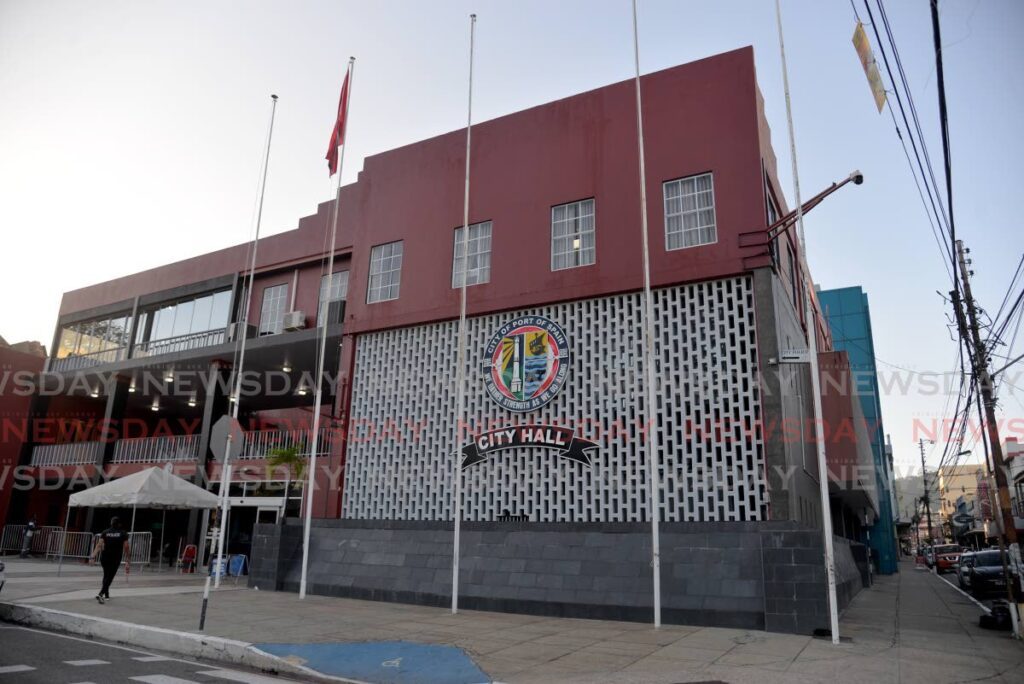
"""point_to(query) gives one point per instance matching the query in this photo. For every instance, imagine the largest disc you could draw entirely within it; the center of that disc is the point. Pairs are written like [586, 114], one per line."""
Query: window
[572, 235]
[333, 288]
[771, 210]
[385, 272]
[93, 337]
[187, 317]
[690, 212]
[272, 313]
[478, 249]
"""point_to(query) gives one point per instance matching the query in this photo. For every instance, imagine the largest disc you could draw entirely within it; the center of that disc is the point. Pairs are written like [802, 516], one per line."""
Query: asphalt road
[28, 656]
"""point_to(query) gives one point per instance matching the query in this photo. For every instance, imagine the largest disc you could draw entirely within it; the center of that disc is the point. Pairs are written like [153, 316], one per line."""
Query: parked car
[946, 557]
[962, 569]
[986, 575]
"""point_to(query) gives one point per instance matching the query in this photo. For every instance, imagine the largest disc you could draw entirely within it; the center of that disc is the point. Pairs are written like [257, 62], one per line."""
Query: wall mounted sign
[563, 440]
[527, 362]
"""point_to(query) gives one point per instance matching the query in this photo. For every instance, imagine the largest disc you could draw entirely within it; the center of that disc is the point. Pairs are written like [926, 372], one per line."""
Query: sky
[131, 135]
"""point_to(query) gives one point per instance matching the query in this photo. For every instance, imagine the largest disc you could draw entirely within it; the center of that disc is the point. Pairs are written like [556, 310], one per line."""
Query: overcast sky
[130, 133]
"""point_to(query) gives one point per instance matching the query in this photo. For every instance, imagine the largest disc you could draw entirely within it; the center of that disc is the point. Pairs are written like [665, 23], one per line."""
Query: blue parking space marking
[385, 662]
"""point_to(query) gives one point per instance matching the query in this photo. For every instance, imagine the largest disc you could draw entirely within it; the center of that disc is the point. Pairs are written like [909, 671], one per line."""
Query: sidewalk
[911, 627]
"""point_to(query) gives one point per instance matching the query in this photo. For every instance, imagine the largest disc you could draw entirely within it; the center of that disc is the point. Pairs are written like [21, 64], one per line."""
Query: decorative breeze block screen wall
[401, 452]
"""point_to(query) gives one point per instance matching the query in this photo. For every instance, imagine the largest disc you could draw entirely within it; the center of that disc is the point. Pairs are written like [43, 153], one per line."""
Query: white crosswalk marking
[236, 676]
[86, 663]
[162, 679]
[11, 669]
[151, 659]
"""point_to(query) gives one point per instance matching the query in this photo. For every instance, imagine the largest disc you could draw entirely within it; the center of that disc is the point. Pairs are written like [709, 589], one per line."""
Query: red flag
[338, 134]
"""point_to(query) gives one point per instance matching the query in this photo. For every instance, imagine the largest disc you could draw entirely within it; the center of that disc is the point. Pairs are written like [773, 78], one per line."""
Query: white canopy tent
[151, 488]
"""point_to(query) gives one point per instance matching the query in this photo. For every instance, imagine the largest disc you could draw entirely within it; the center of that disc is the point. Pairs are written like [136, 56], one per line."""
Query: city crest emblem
[526, 363]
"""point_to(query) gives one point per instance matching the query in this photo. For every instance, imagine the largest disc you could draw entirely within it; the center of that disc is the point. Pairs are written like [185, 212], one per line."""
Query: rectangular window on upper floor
[332, 289]
[690, 212]
[93, 337]
[478, 248]
[187, 317]
[275, 301]
[385, 272]
[572, 235]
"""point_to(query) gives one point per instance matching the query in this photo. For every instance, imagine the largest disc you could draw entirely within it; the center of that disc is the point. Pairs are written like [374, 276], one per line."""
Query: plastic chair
[188, 559]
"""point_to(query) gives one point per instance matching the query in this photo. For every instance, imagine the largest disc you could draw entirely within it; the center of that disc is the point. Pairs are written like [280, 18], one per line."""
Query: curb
[184, 644]
[986, 609]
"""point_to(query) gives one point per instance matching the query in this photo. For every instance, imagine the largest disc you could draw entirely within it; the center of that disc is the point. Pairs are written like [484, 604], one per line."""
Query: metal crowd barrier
[76, 545]
[141, 543]
[47, 540]
[14, 535]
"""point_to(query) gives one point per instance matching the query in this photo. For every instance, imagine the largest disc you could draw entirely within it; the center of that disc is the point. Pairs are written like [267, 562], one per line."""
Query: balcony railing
[72, 453]
[80, 361]
[161, 449]
[258, 444]
[180, 343]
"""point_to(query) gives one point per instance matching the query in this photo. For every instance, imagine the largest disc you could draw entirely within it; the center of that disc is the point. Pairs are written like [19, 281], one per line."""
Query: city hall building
[553, 457]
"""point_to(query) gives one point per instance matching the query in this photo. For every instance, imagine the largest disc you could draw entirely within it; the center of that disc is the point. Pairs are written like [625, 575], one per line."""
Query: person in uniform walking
[111, 546]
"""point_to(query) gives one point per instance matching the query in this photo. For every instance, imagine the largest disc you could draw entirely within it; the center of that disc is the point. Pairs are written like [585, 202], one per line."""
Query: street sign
[794, 356]
[225, 427]
[963, 519]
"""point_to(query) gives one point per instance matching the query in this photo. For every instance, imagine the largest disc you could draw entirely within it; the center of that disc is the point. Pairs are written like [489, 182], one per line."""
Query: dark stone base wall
[764, 575]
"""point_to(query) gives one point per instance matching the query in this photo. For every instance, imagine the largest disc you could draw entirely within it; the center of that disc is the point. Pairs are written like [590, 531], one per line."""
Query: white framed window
[333, 288]
[572, 235]
[478, 249]
[272, 312]
[385, 272]
[690, 212]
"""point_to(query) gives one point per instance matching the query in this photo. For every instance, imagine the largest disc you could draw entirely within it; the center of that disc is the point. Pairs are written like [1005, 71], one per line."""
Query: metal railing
[76, 545]
[72, 453]
[180, 343]
[79, 361]
[81, 544]
[258, 444]
[157, 449]
[141, 544]
[14, 535]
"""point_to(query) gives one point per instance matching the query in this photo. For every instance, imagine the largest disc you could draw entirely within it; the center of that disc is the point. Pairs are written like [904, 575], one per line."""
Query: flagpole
[460, 370]
[654, 496]
[812, 352]
[322, 346]
[241, 334]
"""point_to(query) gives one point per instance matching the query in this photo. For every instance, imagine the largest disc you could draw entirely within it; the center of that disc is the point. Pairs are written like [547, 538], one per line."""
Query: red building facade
[728, 295]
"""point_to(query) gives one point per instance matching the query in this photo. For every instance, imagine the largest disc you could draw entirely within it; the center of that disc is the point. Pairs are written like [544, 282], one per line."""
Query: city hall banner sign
[526, 365]
[562, 440]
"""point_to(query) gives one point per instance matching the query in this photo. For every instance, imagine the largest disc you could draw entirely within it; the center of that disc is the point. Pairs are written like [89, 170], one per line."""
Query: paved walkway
[911, 627]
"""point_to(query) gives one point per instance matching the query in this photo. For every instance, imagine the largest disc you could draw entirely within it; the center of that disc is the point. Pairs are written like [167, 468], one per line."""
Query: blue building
[849, 318]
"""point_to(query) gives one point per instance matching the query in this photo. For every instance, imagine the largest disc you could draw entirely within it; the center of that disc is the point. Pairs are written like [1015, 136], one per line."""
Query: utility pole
[979, 365]
[927, 501]
[979, 362]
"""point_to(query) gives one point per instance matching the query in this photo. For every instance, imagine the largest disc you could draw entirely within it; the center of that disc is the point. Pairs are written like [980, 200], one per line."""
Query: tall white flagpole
[460, 370]
[812, 351]
[314, 438]
[654, 496]
[241, 334]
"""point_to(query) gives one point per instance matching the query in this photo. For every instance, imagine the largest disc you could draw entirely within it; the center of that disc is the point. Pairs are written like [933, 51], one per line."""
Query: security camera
[857, 177]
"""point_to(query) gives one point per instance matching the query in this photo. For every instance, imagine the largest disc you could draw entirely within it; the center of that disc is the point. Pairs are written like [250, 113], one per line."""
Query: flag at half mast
[338, 134]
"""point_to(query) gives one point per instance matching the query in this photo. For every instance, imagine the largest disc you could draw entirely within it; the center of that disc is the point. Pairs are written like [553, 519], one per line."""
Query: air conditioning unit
[295, 320]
